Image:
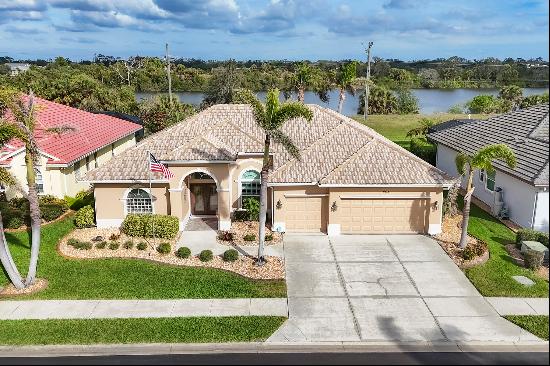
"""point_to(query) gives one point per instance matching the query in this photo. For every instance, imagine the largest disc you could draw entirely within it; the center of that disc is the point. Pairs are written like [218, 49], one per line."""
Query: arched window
[138, 201]
[250, 184]
[38, 180]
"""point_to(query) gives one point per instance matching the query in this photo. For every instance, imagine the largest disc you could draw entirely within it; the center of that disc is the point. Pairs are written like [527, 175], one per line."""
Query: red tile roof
[90, 132]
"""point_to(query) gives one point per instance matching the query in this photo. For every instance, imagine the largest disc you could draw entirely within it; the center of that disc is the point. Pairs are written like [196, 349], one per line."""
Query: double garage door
[359, 216]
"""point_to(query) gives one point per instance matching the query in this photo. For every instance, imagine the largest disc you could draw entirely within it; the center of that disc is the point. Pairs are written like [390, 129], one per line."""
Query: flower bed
[244, 266]
[449, 238]
[249, 229]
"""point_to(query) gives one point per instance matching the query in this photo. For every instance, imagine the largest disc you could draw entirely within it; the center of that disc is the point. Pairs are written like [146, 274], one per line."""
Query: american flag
[157, 166]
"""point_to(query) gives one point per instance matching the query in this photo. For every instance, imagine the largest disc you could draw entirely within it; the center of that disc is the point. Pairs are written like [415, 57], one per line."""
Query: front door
[204, 199]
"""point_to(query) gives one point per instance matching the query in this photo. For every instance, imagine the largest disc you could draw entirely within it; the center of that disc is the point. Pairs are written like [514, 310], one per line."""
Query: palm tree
[270, 118]
[345, 78]
[423, 126]
[481, 160]
[305, 77]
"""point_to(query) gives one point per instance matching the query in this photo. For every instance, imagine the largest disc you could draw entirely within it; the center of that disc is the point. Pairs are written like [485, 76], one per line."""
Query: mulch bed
[38, 285]
[449, 238]
[244, 266]
[242, 228]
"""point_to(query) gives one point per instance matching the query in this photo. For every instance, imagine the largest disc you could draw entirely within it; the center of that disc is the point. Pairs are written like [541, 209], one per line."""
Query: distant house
[524, 189]
[17, 67]
[64, 158]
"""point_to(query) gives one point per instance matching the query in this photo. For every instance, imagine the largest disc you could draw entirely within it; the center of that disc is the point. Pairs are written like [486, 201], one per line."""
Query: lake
[429, 100]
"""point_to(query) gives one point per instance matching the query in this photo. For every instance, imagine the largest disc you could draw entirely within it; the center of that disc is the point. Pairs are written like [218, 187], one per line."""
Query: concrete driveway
[383, 288]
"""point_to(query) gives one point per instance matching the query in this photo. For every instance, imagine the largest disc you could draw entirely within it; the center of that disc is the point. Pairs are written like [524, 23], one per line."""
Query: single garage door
[384, 216]
[306, 214]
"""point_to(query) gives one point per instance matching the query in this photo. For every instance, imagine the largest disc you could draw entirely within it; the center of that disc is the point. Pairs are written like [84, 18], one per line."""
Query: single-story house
[90, 140]
[523, 190]
[349, 179]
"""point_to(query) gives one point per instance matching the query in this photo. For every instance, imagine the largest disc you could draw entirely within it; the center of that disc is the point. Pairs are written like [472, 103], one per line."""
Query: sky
[274, 29]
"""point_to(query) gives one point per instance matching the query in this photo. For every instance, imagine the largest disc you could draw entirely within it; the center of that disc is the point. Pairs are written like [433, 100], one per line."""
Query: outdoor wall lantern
[434, 206]
[334, 207]
[278, 205]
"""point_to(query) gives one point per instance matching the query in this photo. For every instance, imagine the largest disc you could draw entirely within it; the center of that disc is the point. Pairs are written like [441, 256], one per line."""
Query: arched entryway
[203, 194]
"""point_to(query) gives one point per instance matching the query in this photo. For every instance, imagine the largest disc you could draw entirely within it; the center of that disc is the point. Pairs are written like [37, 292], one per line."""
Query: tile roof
[90, 132]
[334, 149]
[524, 131]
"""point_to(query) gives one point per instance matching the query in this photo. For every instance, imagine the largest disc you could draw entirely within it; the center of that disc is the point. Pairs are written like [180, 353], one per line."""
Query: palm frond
[246, 96]
[291, 110]
[461, 161]
[60, 130]
[271, 106]
[280, 137]
[483, 159]
[9, 131]
[6, 178]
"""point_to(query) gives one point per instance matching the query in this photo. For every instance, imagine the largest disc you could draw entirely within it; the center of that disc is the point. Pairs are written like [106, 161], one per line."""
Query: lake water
[429, 100]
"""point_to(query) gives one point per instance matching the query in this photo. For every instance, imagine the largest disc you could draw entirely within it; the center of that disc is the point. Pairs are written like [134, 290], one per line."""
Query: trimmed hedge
[531, 235]
[230, 255]
[206, 255]
[84, 217]
[165, 226]
[424, 149]
[164, 248]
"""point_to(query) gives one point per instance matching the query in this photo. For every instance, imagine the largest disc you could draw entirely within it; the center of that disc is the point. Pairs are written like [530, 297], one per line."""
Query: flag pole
[151, 197]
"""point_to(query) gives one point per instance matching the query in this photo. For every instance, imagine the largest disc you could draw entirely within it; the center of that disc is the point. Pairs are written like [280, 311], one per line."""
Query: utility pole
[366, 109]
[169, 75]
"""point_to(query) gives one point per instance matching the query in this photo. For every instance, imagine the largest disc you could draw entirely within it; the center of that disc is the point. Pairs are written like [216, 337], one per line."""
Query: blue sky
[274, 29]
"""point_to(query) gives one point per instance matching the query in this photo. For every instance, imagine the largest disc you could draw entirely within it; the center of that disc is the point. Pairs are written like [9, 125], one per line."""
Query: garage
[384, 215]
[306, 213]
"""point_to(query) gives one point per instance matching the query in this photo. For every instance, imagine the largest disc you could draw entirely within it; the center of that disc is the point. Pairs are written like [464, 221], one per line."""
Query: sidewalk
[89, 309]
[519, 306]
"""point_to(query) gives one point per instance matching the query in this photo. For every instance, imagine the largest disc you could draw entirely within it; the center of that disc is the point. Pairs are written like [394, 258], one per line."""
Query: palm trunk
[35, 218]
[341, 100]
[7, 260]
[263, 201]
[466, 211]
[301, 94]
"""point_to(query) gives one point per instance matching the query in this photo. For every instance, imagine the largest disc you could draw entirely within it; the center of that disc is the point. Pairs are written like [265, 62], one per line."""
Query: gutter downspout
[534, 210]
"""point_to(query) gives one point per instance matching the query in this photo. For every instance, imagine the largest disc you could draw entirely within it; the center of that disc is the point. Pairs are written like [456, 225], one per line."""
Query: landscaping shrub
[249, 237]
[142, 246]
[165, 226]
[206, 255]
[183, 252]
[240, 215]
[84, 217]
[82, 198]
[128, 244]
[473, 250]
[423, 149]
[14, 222]
[101, 245]
[164, 248]
[531, 235]
[50, 212]
[77, 244]
[268, 237]
[226, 235]
[252, 207]
[533, 259]
[72, 241]
[114, 245]
[230, 255]
[48, 199]
[114, 237]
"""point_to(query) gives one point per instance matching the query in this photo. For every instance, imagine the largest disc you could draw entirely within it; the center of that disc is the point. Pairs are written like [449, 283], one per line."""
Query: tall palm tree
[481, 160]
[305, 77]
[270, 118]
[345, 80]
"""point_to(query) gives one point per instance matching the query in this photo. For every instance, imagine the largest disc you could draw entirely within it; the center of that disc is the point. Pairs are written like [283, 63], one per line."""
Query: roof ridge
[245, 132]
[350, 158]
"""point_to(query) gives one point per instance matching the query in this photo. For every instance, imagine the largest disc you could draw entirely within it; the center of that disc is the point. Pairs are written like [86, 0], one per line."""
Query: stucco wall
[541, 212]
[518, 195]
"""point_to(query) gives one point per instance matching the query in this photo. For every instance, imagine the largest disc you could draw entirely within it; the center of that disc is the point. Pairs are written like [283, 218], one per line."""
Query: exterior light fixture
[434, 206]
[333, 207]
[278, 205]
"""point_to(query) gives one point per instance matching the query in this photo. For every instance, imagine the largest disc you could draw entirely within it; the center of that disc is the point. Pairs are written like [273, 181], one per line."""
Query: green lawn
[126, 278]
[494, 278]
[396, 126]
[138, 330]
[535, 324]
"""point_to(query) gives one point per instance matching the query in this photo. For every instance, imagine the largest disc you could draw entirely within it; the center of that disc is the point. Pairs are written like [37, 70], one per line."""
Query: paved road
[384, 288]
[412, 358]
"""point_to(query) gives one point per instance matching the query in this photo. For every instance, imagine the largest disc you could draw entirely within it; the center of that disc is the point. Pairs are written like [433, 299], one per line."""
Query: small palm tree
[270, 118]
[481, 160]
[345, 80]
[305, 77]
[423, 126]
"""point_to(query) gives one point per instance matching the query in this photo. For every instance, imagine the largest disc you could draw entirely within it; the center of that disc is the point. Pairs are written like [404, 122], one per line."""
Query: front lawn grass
[494, 278]
[535, 324]
[115, 278]
[138, 330]
[396, 126]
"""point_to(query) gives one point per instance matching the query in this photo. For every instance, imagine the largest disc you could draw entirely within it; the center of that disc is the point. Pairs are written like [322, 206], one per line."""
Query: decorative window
[39, 181]
[138, 201]
[490, 183]
[250, 184]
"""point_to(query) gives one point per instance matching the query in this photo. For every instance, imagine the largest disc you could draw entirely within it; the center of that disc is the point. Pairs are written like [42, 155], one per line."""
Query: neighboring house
[350, 179]
[524, 189]
[17, 67]
[92, 139]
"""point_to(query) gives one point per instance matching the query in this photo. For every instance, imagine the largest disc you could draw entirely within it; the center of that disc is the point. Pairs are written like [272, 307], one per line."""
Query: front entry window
[250, 184]
[139, 201]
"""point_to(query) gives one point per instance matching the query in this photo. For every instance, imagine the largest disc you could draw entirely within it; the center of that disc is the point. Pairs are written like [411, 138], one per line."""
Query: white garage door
[384, 216]
[305, 214]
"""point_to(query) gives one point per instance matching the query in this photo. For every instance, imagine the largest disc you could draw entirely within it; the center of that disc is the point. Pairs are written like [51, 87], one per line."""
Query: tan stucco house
[89, 141]
[349, 179]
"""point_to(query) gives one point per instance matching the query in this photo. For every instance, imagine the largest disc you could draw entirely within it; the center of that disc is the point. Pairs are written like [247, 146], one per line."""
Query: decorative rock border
[476, 261]
[38, 285]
